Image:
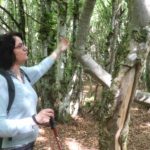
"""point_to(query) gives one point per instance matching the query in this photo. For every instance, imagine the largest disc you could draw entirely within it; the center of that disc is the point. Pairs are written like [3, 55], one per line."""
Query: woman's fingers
[64, 43]
[44, 115]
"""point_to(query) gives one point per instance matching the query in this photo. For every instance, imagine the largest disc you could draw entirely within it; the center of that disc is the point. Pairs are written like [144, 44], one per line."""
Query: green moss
[106, 105]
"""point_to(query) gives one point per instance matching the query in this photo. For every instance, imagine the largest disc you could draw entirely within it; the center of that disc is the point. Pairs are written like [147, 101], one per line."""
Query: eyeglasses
[20, 45]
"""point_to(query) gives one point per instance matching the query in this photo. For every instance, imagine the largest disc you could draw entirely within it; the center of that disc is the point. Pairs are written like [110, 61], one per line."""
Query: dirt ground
[82, 134]
[139, 135]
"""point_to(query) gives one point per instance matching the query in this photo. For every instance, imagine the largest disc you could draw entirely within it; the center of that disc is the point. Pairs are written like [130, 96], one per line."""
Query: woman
[21, 123]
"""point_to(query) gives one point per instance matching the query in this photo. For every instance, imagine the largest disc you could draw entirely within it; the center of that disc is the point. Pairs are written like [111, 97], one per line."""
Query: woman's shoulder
[23, 67]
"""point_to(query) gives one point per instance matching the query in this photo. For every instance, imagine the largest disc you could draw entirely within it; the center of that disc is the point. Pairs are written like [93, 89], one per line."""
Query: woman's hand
[44, 115]
[63, 44]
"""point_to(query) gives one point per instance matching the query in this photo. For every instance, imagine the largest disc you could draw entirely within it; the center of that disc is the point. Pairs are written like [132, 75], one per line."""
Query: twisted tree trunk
[117, 101]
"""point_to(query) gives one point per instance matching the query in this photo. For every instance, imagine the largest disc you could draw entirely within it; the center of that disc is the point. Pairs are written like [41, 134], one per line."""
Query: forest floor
[139, 134]
[82, 133]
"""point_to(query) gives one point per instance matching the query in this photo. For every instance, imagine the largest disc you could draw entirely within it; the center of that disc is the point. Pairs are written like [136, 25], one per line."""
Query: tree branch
[11, 16]
[3, 22]
[3, 28]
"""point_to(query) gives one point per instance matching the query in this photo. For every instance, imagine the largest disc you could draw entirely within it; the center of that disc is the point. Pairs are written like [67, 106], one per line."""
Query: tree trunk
[88, 63]
[68, 107]
[21, 18]
[44, 28]
[115, 33]
[62, 18]
[75, 21]
[47, 46]
[117, 101]
[148, 72]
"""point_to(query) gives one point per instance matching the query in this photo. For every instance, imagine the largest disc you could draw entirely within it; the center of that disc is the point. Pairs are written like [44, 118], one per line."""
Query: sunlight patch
[145, 125]
[42, 139]
[75, 145]
[147, 5]
[42, 131]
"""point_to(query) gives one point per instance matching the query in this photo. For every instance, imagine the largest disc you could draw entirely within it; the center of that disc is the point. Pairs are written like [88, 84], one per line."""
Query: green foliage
[139, 35]
[100, 28]
[48, 22]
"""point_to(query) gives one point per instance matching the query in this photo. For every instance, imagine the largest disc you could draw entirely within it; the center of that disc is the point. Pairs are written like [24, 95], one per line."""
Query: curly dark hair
[7, 45]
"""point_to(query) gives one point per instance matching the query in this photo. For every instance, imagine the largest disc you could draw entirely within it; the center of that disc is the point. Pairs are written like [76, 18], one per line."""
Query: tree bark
[115, 32]
[67, 109]
[117, 101]
[62, 19]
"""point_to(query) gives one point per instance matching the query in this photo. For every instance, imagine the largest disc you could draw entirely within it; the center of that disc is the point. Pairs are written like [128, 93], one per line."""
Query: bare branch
[3, 28]
[11, 16]
[3, 22]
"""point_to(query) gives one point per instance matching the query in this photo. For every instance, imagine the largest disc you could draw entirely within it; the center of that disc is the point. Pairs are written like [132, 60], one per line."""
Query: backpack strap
[11, 88]
[1, 141]
[11, 94]
[25, 74]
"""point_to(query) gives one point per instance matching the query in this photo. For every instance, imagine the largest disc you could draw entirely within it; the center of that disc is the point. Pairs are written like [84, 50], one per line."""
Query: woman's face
[20, 51]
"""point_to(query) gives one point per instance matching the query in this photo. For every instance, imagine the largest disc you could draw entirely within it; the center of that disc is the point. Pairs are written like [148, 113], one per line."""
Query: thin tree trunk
[75, 21]
[44, 37]
[62, 18]
[21, 18]
[65, 107]
[115, 33]
[44, 29]
[148, 72]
